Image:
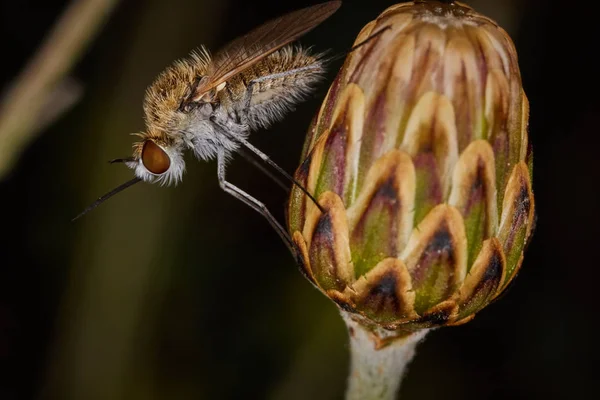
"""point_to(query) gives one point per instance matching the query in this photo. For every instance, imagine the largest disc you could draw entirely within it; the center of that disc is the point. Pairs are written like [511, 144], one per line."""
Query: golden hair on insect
[211, 104]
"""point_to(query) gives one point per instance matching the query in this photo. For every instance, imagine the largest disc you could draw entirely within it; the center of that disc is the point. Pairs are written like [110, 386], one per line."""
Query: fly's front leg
[250, 201]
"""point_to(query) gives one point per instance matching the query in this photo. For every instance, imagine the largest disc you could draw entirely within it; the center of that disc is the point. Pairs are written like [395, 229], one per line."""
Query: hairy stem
[376, 374]
[38, 94]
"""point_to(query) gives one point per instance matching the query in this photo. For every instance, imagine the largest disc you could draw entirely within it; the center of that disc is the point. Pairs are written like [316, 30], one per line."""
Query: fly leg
[244, 153]
[248, 97]
[246, 144]
[250, 201]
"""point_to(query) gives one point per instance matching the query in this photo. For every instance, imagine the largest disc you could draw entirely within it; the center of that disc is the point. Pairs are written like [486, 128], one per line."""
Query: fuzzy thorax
[164, 96]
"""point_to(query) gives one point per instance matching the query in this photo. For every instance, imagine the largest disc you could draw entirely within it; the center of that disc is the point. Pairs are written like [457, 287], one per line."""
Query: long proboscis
[107, 196]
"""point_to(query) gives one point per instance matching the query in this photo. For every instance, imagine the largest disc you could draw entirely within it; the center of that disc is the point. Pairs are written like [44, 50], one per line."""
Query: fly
[209, 105]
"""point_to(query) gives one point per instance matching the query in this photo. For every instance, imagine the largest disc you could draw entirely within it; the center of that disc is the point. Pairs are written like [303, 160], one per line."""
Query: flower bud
[420, 161]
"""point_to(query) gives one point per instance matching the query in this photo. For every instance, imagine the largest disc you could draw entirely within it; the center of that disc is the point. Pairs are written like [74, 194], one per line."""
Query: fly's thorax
[164, 98]
[206, 136]
[158, 158]
[272, 98]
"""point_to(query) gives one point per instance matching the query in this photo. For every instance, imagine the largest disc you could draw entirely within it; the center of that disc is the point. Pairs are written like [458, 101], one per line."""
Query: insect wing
[247, 50]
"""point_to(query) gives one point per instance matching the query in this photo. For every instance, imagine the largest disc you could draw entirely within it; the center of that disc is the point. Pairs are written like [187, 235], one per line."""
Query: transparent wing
[262, 41]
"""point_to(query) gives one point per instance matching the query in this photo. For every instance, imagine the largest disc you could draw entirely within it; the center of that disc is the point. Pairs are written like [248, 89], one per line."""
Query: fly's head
[157, 157]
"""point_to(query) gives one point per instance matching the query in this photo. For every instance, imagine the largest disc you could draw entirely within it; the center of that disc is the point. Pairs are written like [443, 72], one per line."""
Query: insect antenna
[107, 196]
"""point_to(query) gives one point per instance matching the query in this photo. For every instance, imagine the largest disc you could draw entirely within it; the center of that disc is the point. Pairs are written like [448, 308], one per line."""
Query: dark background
[181, 293]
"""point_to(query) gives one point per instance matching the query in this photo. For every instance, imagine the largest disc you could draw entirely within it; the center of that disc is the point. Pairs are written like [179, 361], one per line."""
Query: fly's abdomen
[283, 79]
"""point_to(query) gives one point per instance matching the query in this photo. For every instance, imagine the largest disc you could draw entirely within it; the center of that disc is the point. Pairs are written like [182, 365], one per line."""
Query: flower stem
[375, 374]
[41, 93]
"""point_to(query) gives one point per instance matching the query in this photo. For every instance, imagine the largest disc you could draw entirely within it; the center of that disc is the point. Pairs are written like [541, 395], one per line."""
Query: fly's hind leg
[248, 96]
[277, 168]
[251, 201]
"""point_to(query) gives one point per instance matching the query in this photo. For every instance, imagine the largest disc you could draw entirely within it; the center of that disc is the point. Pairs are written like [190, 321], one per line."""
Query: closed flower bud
[420, 160]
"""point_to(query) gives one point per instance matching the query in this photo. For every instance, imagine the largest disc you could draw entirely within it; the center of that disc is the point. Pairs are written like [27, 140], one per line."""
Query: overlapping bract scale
[421, 163]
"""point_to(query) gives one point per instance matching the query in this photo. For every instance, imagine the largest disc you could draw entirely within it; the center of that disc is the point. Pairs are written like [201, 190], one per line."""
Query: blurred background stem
[42, 92]
[376, 374]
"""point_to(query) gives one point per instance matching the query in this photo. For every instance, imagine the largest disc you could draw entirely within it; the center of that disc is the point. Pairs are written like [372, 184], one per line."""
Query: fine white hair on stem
[376, 373]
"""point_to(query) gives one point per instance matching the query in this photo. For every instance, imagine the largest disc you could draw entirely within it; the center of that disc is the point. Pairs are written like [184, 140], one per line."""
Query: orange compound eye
[154, 158]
